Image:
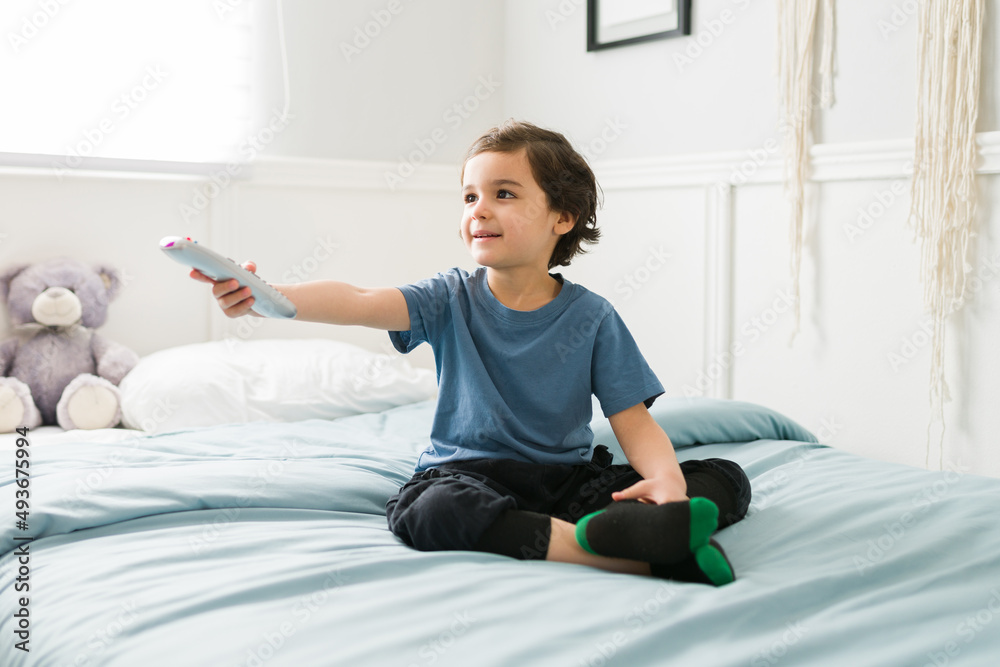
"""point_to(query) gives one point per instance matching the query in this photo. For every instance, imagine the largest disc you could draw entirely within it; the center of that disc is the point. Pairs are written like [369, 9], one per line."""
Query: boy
[519, 352]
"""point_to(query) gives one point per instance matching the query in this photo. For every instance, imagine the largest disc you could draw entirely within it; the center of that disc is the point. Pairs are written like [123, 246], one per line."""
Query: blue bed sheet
[266, 544]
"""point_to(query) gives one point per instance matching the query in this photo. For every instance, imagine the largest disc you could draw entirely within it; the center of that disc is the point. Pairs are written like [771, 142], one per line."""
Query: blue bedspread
[266, 544]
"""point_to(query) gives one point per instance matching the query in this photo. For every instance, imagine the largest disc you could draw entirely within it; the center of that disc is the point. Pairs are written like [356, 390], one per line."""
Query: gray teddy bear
[55, 369]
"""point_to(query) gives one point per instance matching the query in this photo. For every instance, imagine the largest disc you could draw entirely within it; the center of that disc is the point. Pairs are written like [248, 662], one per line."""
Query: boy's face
[507, 222]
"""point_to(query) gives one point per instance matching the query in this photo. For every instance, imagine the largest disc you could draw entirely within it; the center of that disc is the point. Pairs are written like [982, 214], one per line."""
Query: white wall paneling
[718, 357]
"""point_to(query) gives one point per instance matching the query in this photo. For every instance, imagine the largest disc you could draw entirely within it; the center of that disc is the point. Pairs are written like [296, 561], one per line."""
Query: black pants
[451, 506]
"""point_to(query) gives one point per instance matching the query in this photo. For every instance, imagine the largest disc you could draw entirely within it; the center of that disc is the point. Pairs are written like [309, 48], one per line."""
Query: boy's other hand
[656, 491]
[235, 301]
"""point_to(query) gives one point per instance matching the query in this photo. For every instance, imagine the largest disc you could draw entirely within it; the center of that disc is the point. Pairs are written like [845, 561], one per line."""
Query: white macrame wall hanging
[943, 206]
[797, 36]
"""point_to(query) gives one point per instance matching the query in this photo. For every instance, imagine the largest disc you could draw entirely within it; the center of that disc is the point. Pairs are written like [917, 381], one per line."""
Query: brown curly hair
[569, 184]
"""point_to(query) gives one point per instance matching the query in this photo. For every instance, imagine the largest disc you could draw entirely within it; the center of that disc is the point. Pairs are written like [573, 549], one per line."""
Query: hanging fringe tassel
[796, 36]
[943, 206]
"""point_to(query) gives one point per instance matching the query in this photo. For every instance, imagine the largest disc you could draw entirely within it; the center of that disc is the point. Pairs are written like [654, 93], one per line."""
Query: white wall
[418, 73]
[716, 90]
[662, 138]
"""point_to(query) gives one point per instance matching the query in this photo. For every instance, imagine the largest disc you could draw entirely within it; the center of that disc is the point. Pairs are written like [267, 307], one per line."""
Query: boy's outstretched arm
[326, 301]
[650, 452]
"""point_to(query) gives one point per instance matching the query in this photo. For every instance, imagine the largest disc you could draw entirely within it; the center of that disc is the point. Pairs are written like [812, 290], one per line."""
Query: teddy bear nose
[57, 306]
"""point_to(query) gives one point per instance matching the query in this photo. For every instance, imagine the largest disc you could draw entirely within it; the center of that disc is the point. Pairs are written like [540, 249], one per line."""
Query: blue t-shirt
[517, 384]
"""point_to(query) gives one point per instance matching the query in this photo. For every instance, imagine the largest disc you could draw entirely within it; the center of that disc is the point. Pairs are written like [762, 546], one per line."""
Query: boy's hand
[657, 490]
[649, 450]
[234, 300]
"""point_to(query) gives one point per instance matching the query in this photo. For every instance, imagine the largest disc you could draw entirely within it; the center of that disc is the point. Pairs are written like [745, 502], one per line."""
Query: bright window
[135, 79]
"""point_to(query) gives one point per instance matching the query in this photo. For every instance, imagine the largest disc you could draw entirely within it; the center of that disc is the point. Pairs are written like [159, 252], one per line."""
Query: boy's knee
[445, 514]
[410, 512]
[741, 485]
[722, 481]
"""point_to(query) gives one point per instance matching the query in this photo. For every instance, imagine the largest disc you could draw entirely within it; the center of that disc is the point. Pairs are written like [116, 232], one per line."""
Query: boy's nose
[479, 209]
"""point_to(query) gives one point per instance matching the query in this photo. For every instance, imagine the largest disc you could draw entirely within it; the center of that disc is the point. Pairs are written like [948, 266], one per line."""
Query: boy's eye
[501, 194]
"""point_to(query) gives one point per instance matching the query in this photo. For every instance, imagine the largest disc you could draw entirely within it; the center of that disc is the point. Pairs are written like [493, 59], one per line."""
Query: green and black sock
[662, 534]
[707, 565]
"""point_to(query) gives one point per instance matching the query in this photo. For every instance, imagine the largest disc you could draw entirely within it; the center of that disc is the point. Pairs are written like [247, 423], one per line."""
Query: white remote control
[267, 301]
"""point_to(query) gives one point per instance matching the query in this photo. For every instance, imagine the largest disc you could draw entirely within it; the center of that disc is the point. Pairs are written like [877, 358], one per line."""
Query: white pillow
[232, 381]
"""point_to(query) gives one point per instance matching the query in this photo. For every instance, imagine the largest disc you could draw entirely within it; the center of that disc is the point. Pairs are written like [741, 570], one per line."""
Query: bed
[263, 541]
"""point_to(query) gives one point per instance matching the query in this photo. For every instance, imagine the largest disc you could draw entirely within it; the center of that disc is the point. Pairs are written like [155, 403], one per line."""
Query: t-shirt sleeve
[428, 304]
[620, 375]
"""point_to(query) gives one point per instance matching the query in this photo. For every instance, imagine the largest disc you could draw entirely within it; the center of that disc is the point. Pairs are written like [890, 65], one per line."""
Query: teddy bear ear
[7, 276]
[112, 280]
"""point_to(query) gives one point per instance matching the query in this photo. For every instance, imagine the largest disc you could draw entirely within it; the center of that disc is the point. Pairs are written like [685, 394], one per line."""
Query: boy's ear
[565, 223]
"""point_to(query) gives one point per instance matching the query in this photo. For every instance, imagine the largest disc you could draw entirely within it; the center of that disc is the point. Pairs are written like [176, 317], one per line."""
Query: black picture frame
[594, 37]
